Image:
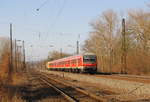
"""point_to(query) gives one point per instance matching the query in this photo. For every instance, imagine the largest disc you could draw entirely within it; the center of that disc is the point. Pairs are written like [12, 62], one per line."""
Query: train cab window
[89, 58]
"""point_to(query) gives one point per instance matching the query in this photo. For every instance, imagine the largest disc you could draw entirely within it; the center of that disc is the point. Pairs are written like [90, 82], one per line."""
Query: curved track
[72, 94]
[134, 78]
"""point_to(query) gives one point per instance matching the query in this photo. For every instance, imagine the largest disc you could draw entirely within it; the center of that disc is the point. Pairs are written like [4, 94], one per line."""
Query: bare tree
[140, 26]
[57, 55]
[105, 41]
[139, 31]
[4, 60]
[103, 38]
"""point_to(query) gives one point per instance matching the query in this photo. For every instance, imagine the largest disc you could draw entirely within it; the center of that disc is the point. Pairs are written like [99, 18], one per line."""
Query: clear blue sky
[58, 22]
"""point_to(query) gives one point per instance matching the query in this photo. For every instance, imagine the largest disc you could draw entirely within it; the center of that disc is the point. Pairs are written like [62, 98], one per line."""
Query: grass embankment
[10, 81]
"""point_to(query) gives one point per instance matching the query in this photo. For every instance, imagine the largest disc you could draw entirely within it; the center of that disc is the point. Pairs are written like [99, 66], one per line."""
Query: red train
[80, 63]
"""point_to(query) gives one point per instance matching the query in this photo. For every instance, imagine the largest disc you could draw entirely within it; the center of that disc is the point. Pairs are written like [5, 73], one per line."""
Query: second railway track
[72, 94]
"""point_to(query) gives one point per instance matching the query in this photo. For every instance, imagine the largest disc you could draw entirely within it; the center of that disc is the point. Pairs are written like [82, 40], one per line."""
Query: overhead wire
[43, 4]
[59, 12]
[57, 16]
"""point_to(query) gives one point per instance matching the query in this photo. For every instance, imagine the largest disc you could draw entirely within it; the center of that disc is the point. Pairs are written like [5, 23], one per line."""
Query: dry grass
[138, 64]
[19, 79]
[4, 67]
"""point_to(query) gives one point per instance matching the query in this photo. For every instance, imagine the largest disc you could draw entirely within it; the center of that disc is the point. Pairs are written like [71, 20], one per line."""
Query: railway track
[143, 78]
[132, 78]
[38, 91]
[72, 94]
[135, 76]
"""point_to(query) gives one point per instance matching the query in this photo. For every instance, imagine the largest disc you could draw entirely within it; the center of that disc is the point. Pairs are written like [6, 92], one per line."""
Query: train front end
[89, 63]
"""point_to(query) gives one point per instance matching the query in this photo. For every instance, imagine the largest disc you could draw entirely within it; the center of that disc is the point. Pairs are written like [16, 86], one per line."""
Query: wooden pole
[124, 51]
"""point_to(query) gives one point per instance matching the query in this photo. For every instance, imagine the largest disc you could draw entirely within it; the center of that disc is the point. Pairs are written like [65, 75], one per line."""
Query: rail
[81, 95]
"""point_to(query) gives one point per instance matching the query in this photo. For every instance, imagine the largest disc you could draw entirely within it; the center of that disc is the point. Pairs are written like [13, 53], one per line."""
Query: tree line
[105, 40]
[7, 69]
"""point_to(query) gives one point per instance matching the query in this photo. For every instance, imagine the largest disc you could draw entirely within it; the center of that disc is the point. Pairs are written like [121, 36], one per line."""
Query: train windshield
[89, 58]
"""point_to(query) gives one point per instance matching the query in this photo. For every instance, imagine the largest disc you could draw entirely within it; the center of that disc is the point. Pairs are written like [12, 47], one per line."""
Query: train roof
[88, 54]
[71, 57]
[65, 58]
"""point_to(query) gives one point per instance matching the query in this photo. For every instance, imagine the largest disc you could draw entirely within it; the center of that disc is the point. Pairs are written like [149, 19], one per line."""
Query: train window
[89, 60]
[67, 62]
[75, 61]
[72, 62]
[62, 63]
[78, 61]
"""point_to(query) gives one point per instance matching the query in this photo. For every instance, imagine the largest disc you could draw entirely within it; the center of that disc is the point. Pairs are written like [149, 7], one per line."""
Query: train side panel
[73, 64]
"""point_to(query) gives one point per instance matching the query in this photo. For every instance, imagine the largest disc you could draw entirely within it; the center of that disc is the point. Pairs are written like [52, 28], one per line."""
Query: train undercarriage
[76, 70]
